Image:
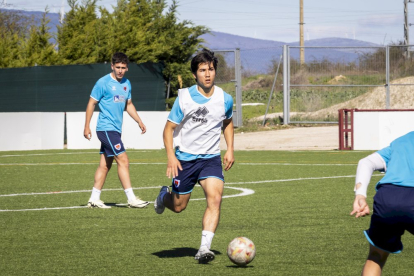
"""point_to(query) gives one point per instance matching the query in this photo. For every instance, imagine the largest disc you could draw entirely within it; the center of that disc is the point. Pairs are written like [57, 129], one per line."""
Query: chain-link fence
[328, 79]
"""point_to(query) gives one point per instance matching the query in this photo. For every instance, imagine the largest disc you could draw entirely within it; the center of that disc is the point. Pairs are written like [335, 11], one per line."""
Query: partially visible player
[191, 139]
[113, 93]
[393, 202]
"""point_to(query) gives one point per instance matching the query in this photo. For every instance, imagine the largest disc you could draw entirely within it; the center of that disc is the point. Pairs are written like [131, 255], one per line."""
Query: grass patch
[298, 217]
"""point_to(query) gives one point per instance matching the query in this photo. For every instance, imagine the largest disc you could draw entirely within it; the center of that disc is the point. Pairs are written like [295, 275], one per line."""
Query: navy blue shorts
[194, 171]
[393, 214]
[111, 143]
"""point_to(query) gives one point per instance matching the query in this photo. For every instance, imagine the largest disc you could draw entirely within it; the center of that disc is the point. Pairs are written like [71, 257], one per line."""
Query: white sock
[96, 194]
[206, 238]
[130, 194]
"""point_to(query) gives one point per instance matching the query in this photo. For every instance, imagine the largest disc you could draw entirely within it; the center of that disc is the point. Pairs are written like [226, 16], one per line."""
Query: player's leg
[105, 164]
[122, 162]
[213, 190]
[182, 186]
[375, 261]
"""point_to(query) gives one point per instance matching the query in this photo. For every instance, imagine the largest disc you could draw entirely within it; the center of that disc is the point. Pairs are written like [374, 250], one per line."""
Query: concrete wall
[131, 133]
[31, 130]
[43, 130]
[375, 130]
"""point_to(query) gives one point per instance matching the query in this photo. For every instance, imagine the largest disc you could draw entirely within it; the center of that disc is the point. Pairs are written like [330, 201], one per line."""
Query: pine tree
[39, 49]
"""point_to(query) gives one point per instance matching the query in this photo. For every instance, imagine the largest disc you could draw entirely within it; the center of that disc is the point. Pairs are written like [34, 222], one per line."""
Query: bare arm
[228, 131]
[89, 112]
[173, 164]
[132, 111]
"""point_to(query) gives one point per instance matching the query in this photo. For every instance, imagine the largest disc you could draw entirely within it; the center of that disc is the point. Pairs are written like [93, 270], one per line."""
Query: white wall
[131, 133]
[31, 130]
[375, 130]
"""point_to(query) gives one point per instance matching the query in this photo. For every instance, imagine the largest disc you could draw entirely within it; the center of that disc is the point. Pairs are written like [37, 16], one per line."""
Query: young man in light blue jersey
[393, 203]
[191, 139]
[113, 94]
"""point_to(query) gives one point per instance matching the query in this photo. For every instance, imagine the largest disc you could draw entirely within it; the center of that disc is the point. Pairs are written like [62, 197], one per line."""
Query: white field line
[61, 153]
[157, 187]
[67, 164]
[244, 192]
[160, 163]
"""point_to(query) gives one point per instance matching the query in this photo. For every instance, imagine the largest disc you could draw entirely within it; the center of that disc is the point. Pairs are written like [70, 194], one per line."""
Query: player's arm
[173, 164]
[365, 169]
[89, 112]
[132, 111]
[228, 132]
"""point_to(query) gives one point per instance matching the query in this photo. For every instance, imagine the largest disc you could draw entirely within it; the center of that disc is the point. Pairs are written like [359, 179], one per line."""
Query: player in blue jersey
[191, 139]
[393, 203]
[113, 95]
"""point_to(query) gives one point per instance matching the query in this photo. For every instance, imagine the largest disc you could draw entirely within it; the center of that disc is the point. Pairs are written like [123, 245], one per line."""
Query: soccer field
[294, 206]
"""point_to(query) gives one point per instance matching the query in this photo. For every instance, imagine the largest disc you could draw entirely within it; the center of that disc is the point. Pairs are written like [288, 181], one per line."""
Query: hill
[258, 55]
[401, 97]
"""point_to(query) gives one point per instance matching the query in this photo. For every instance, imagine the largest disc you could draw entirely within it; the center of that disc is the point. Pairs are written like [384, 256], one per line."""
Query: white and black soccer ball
[241, 251]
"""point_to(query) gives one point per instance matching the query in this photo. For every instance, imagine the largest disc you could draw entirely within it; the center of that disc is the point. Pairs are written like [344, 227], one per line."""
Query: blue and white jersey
[399, 160]
[199, 121]
[112, 97]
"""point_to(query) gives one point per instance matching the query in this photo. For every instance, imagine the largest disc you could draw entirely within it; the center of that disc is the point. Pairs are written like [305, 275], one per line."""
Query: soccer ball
[241, 251]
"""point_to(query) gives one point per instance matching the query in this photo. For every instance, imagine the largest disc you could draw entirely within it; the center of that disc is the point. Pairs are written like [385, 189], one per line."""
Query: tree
[14, 29]
[77, 36]
[39, 49]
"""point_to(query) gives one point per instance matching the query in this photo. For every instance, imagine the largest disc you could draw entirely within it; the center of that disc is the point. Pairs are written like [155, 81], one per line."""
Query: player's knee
[377, 255]
[179, 208]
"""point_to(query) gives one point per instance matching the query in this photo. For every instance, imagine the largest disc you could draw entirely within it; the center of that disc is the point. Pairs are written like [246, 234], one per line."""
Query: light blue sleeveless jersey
[112, 97]
[399, 158]
[176, 116]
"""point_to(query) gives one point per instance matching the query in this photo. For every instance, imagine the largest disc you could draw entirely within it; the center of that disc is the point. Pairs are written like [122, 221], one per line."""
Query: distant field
[294, 205]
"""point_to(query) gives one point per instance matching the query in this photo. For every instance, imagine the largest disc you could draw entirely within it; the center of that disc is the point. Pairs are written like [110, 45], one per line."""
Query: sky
[376, 21]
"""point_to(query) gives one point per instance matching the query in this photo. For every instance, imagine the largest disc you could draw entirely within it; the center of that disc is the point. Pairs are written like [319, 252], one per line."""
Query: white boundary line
[62, 153]
[244, 192]
[146, 163]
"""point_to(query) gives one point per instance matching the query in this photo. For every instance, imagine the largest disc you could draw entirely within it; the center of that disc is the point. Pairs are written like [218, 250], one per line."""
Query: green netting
[67, 88]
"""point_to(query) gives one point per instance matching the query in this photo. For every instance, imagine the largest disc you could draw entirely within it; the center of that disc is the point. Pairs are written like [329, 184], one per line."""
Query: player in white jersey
[191, 139]
[113, 94]
[393, 203]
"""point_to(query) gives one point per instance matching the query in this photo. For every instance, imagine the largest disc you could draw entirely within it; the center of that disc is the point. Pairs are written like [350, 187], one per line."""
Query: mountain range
[257, 54]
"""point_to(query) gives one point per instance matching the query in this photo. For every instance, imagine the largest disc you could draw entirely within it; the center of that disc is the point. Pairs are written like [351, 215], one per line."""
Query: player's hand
[142, 127]
[87, 133]
[228, 160]
[173, 166]
[360, 206]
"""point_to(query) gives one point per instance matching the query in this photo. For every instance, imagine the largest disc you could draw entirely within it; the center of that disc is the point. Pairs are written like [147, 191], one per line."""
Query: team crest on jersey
[200, 114]
[119, 99]
[125, 88]
[113, 88]
[118, 146]
[176, 183]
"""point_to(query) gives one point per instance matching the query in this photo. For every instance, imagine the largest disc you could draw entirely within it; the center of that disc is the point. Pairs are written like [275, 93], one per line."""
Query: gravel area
[299, 138]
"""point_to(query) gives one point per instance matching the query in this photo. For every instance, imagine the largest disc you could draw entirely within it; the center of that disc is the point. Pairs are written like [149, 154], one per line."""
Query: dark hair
[119, 58]
[205, 56]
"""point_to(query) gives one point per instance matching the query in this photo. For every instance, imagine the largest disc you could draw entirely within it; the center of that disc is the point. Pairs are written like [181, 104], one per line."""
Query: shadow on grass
[180, 252]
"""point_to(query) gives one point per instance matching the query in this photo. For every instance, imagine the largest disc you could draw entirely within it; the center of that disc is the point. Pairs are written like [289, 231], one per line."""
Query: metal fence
[229, 78]
[333, 78]
[328, 79]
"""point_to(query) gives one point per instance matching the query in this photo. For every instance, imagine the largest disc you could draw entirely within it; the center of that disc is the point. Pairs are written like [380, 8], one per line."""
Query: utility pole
[301, 41]
[406, 27]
